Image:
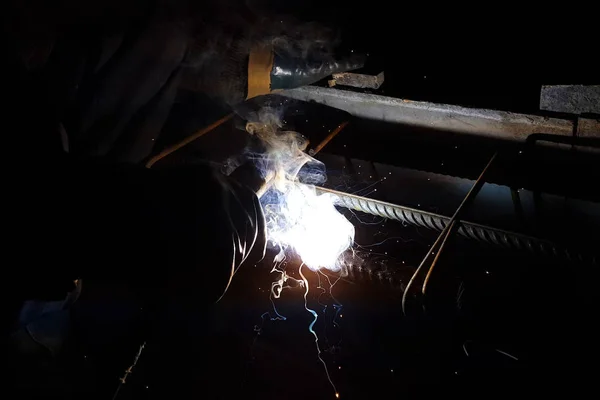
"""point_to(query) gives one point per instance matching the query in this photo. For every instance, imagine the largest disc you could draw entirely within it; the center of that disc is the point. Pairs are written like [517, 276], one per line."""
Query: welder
[90, 89]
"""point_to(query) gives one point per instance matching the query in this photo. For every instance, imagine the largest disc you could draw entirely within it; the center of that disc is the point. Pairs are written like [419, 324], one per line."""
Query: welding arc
[443, 236]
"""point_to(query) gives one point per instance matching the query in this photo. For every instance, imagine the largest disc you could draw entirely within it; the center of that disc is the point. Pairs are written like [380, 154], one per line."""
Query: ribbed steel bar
[482, 233]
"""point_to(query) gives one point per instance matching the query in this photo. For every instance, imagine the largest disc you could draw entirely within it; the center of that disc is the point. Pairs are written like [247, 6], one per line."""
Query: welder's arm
[178, 233]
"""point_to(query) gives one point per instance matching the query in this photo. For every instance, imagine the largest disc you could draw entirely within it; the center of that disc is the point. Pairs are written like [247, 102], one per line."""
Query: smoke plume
[298, 220]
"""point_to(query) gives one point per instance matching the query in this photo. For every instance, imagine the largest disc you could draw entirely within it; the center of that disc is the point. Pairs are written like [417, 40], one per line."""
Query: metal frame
[474, 121]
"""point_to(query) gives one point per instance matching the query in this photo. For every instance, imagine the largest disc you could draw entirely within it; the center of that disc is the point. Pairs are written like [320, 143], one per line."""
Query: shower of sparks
[311, 330]
[298, 220]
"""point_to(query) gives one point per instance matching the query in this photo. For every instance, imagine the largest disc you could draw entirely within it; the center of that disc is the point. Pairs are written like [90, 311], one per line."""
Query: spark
[311, 330]
[337, 306]
[464, 346]
[276, 288]
[297, 219]
[507, 355]
[366, 188]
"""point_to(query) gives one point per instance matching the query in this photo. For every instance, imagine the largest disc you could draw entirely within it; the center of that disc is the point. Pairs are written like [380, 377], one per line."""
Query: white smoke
[298, 219]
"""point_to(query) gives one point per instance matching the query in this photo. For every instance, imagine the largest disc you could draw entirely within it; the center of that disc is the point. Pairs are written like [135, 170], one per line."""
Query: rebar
[469, 230]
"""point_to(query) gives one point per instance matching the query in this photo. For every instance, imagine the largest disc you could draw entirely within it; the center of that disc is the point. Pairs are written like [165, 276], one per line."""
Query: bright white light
[280, 71]
[308, 223]
[297, 218]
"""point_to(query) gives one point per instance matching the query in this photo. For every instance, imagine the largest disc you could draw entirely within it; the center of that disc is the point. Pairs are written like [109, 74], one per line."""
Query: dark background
[484, 301]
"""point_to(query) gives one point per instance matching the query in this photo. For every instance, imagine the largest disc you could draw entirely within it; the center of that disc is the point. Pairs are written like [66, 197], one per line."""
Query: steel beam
[573, 99]
[475, 121]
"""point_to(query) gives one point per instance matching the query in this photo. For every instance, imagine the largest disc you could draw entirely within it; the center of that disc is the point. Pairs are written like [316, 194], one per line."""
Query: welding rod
[444, 236]
[316, 150]
[188, 140]
[455, 218]
[470, 230]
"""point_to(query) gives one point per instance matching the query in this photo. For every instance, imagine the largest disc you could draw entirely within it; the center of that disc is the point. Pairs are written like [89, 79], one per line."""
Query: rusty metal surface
[328, 139]
[588, 127]
[588, 130]
[481, 122]
[357, 80]
[572, 99]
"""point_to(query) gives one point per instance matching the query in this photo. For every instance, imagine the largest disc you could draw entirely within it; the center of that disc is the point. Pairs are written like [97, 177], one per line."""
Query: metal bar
[455, 218]
[443, 237]
[328, 139]
[474, 121]
[187, 140]
[357, 80]
[470, 230]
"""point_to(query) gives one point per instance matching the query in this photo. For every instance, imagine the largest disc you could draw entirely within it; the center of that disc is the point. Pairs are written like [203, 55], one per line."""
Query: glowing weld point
[309, 224]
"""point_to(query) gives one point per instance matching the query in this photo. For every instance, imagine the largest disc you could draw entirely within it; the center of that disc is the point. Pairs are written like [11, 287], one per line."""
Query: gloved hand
[234, 68]
[211, 225]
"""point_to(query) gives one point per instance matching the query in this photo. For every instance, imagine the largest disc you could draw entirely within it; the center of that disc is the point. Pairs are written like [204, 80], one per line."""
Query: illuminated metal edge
[474, 121]
[482, 233]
